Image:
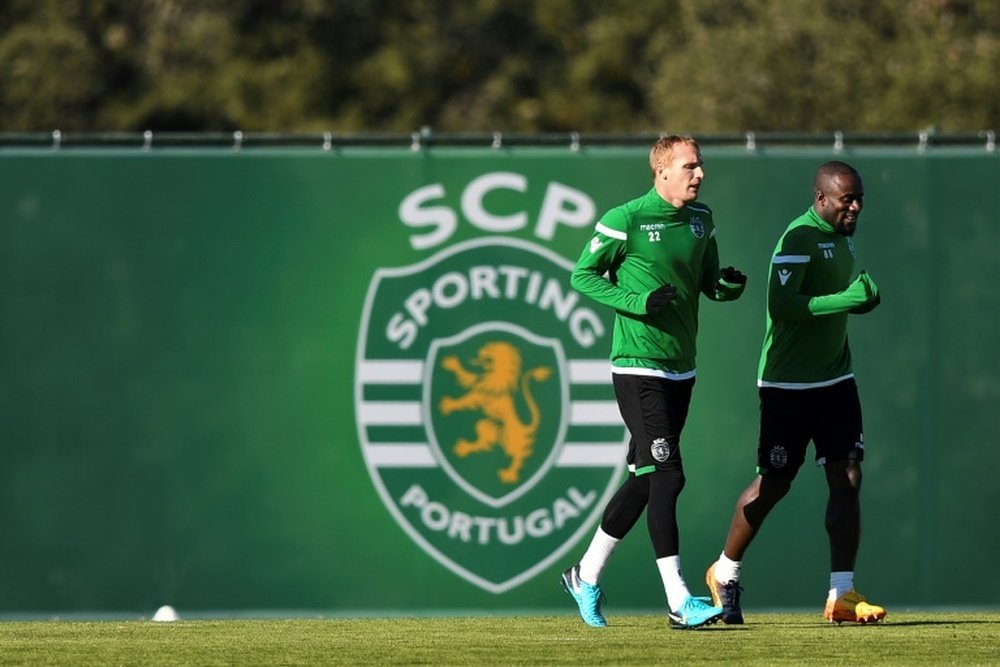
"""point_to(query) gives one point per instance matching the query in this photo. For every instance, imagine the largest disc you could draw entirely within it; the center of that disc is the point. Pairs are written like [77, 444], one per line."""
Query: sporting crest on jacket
[697, 226]
[484, 407]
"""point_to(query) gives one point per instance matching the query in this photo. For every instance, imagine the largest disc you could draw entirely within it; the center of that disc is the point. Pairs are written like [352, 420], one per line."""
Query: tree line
[613, 66]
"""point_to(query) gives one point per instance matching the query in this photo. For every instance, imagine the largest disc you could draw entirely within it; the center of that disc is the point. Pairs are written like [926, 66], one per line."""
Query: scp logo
[484, 407]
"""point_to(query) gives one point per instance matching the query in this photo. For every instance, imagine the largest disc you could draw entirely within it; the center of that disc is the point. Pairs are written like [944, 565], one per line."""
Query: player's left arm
[726, 284]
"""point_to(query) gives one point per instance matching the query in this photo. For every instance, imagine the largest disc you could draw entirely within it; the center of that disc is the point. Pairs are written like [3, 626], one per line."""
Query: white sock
[597, 556]
[840, 583]
[673, 583]
[727, 570]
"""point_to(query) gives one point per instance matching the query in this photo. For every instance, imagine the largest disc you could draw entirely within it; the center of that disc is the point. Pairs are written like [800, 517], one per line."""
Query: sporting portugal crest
[485, 410]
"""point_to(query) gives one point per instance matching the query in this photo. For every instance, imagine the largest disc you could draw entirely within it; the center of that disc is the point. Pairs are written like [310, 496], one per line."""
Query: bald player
[808, 393]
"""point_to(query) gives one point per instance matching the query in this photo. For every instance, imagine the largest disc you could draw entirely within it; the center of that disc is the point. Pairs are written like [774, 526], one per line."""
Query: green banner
[358, 381]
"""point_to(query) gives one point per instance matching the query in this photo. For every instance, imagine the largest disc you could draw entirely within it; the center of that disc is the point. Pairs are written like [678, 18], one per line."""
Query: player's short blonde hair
[662, 151]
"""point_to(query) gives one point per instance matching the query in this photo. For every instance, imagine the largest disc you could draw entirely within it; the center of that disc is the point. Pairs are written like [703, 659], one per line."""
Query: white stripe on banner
[590, 456]
[594, 413]
[590, 372]
[390, 413]
[399, 371]
[419, 455]
[407, 413]
[402, 455]
[391, 371]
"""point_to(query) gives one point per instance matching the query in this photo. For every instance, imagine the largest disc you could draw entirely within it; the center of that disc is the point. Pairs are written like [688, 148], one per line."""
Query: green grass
[938, 638]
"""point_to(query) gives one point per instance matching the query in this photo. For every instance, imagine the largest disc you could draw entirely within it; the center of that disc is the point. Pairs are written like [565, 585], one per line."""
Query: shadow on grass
[882, 624]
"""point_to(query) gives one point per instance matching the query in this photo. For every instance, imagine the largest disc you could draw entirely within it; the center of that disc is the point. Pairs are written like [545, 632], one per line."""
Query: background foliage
[510, 65]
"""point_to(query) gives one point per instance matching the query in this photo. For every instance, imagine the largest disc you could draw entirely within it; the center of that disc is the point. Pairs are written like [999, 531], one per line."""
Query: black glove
[659, 298]
[733, 276]
[868, 307]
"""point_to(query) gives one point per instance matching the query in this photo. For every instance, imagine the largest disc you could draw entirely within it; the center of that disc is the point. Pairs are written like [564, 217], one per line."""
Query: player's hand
[872, 297]
[862, 288]
[867, 307]
[733, 276]
[659, 298]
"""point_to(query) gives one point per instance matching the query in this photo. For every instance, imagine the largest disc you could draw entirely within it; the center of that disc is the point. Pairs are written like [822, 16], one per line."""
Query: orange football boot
[851, 607]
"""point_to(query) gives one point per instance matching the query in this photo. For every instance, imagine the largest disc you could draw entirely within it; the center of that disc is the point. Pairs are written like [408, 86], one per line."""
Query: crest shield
[484, 407]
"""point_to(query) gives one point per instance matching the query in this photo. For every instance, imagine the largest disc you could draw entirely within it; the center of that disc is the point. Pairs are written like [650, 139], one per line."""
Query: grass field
[938, 638]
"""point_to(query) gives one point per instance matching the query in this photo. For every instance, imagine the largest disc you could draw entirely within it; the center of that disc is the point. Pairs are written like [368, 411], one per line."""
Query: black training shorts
[790, 418]
[654, 410]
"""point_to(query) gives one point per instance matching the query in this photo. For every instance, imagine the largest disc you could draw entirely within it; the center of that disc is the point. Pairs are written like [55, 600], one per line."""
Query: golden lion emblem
[492, 392]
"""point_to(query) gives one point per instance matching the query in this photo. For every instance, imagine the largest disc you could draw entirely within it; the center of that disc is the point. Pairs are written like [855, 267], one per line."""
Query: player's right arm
[595, 272]
[860, 297]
